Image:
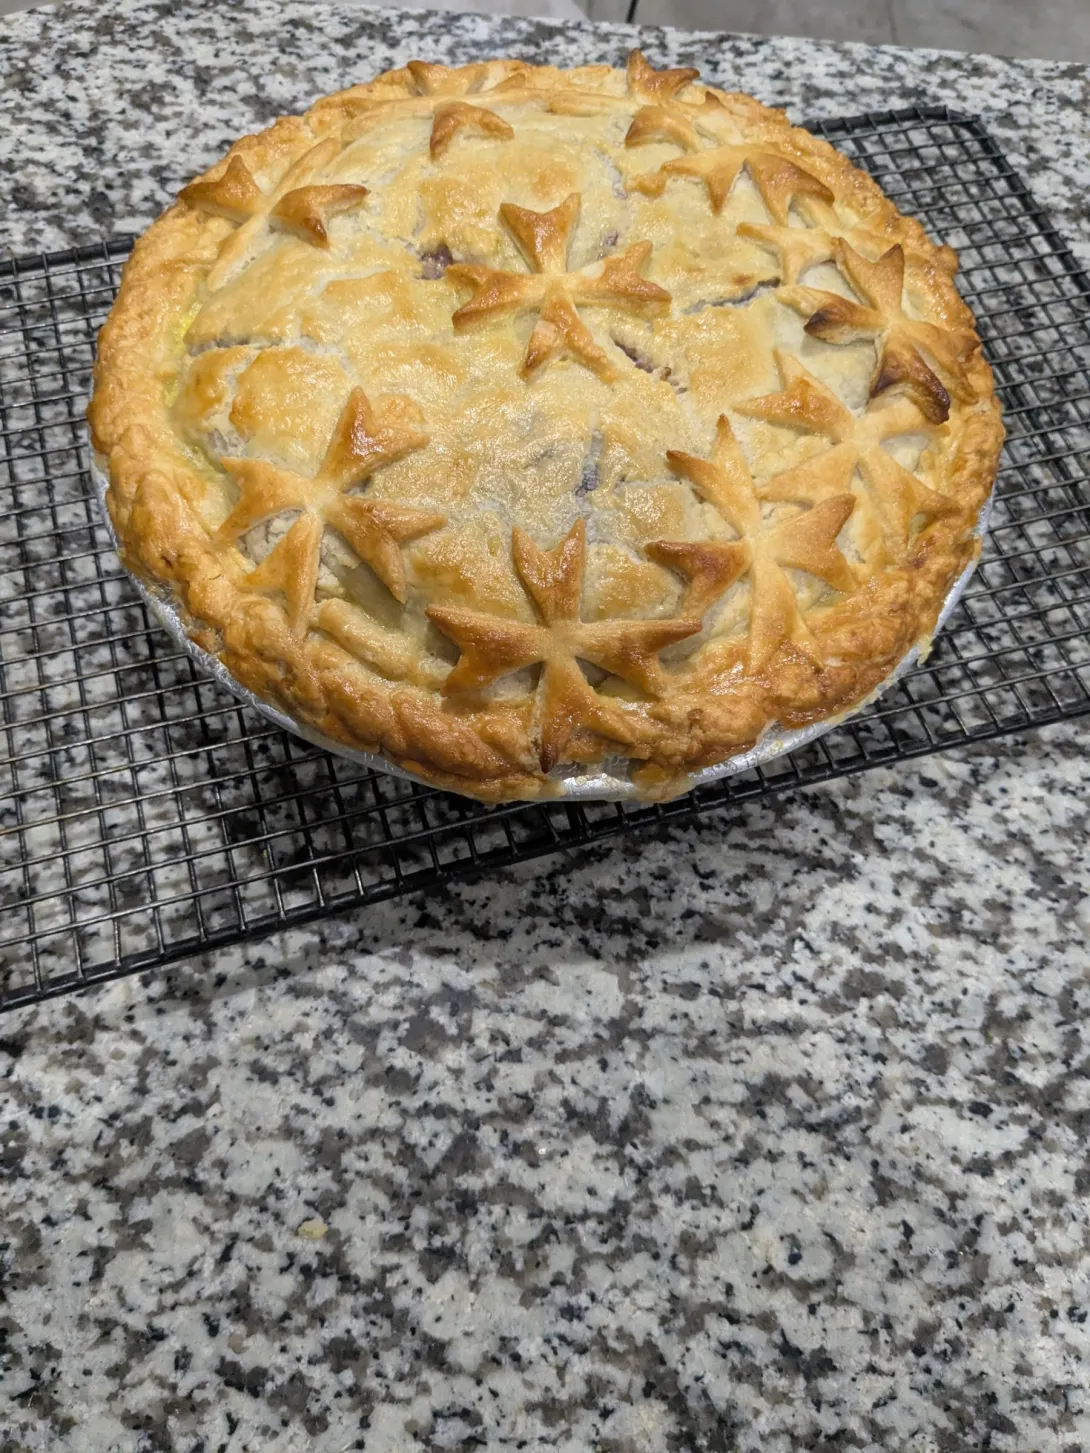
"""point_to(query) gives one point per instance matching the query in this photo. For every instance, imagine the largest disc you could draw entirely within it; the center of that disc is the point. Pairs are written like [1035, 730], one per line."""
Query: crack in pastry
[554, 293]
[435, 261]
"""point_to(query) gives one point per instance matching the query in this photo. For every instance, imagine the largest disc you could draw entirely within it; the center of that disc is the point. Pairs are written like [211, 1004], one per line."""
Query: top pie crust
[505, 418]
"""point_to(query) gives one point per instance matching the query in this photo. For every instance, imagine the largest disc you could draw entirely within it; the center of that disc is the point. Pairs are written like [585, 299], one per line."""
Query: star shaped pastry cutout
[364, 441]
[895, 495]
[296, 205]
[656, 123]
[553, 292]
[643, 80]
[492, 647]
[904, 344]
[431, 79]
[454, 118]
[709, 567]
[804, 541]
[797, 248]
[781, 182]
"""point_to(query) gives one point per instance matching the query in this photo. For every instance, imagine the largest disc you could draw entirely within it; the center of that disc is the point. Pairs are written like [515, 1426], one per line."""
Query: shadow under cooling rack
[144, 816]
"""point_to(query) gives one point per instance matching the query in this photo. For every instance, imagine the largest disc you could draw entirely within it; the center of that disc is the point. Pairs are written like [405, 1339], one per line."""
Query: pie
[516, 423]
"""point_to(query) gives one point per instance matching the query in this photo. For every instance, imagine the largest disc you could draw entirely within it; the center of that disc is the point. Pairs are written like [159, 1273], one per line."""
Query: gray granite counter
[768, 1134]
[119, 103]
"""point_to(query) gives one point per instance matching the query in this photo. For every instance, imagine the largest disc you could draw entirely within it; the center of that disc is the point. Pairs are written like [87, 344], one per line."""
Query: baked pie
[515, 422]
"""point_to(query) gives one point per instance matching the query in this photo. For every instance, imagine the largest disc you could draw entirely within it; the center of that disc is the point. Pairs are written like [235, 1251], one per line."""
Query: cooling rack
[146, 816]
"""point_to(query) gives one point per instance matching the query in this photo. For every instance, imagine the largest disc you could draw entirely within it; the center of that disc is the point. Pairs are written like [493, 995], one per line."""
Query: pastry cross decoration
[856, 442]
[431, 79]
[364, 440]
[643, 80]
[806, 541]
[295, 205]
[797, 248]
[779, 180]
[452, 118]
[553, 292]
[492, 647]
[877, 312]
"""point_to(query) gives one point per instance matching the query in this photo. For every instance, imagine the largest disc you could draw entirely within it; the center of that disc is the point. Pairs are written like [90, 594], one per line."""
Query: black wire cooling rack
[145, 816]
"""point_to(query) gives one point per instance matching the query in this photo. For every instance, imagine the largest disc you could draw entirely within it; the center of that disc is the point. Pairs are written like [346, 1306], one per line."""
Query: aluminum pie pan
[609, 784]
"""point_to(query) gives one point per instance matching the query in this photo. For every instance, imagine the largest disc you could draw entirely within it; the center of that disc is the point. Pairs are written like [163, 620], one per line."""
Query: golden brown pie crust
[506, 419]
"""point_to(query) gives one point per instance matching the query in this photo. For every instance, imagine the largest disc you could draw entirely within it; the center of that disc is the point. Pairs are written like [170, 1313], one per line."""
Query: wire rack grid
[146, 816]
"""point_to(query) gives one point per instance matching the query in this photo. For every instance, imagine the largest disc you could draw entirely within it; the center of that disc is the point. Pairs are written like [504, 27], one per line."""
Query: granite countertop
[766, 1134]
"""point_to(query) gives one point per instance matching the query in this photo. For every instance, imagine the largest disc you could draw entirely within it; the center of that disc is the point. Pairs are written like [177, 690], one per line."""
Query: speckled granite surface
[768, 1134]
[120, 102]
